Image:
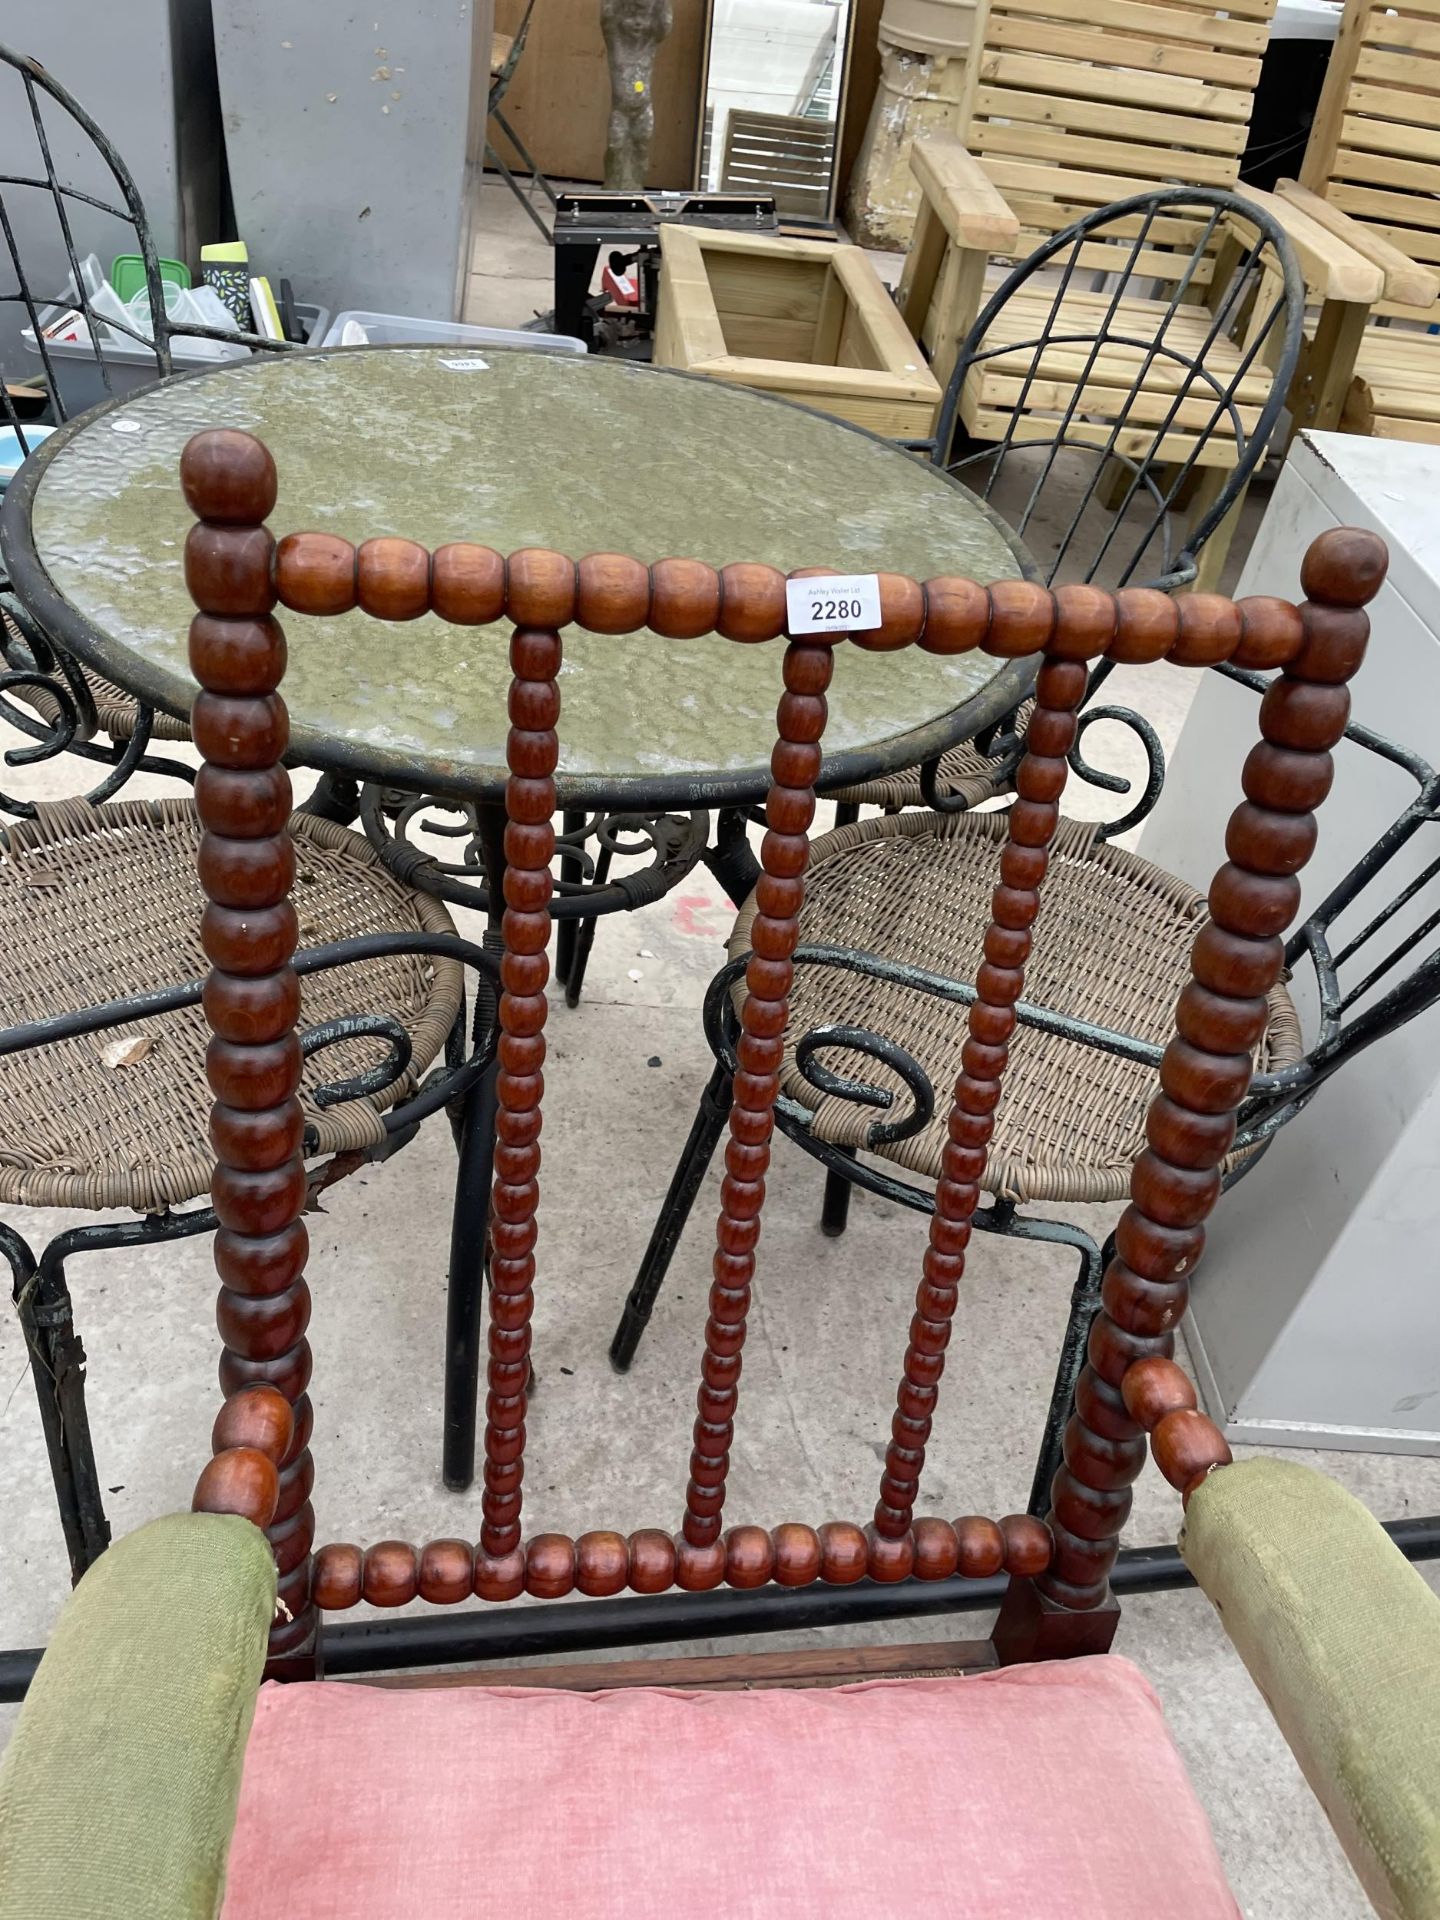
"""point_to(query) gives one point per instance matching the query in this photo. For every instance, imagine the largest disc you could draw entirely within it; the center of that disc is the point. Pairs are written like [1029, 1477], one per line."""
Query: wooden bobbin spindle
[1021, 621]
[785, 850]
[1131, 1387]
[252, 1003]
[532, 750]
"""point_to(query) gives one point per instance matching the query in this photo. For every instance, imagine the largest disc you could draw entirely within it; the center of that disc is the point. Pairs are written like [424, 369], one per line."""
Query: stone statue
[633, 30]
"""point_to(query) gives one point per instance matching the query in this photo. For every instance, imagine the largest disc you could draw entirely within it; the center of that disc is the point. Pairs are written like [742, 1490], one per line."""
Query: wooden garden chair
[144, 1759]
[1371, 175]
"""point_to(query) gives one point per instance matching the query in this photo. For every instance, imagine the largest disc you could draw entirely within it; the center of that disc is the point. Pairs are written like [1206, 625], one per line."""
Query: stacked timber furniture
[553, 1803]
[1371, 175]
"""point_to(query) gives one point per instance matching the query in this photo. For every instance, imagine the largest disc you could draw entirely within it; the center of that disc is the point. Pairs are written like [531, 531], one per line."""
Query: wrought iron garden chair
[820, 1800]
[1096, 420]
[893, 943]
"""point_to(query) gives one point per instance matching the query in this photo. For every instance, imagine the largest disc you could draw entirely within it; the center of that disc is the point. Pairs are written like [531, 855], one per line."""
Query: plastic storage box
[399, 330]
[82, 385]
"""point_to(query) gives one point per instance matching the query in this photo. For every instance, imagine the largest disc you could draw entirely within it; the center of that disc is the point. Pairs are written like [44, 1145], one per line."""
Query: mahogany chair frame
[1060, 1594]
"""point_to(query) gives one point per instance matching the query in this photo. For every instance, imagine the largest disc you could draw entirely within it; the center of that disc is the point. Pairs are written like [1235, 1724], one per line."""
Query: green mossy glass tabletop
[515, 449]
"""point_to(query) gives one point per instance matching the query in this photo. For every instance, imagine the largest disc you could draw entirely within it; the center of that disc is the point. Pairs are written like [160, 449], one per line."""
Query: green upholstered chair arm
[119, 1787]
[1342, 1637]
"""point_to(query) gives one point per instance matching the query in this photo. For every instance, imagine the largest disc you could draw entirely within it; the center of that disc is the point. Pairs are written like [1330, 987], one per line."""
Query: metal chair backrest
[1374, 146]
[1139, 391]
[1073, 103]
[59, 165]
[236, 573]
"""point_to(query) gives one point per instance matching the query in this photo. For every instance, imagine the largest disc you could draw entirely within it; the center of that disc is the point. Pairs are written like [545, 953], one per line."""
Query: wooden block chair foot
[999, 1814]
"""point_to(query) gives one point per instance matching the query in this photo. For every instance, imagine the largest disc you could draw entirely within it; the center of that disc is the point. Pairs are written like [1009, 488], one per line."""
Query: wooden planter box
[802, 318]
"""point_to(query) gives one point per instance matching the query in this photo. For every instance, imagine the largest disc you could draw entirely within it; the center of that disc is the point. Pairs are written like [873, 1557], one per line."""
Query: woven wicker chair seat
[965, 774]
[98, 903]
[1111, 947]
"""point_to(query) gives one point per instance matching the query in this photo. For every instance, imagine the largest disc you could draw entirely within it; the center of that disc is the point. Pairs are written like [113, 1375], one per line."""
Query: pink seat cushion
[1015, 1795]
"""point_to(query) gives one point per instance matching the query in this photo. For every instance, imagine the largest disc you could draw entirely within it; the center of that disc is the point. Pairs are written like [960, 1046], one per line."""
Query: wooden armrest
[970, 207]
[1406, 282]
[1342, 1636]
[1333, 270]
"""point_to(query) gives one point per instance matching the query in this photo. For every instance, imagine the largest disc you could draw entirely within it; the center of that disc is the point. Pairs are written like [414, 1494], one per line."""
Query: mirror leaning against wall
[773, 95]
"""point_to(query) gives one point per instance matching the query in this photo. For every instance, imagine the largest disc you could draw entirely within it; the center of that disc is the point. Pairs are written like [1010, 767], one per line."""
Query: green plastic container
[127, 274]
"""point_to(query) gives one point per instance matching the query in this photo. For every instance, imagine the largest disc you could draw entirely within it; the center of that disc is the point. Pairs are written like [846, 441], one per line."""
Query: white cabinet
[1316, 1310]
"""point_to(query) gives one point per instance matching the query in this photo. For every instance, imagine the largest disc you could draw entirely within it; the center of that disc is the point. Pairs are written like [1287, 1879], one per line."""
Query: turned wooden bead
[1284, 780]
[1209, 630]
[392, 578]
[1032, 822]
[612, 593]
[1146, 625]
[228, 569]
[937, 1553]
[1270, 633]
[467, 584]
[1345, 566]
[315, 573]
[297, 1478]
[1099, 1460]
[1102, 1409]
[251, 1011]
[290, 1540]
[1258, 905]
[980, 1547]
[1023, 868]
[540, 588]
[1187, 1139]
[602, 1563]
[250, 1265]
[794, 763]
[446, 1572]
[902, 615]
[1142, 1306]
[290, 1374]
[1270, 842]
[258, 1418]
[1203, 1081]
[549, 1566]
[1187, 1445]
[535, 654]
[700, 1565]
[250, 942]
[1176, 1197]
[1085, 621]
[1042, 779]
[253, 1077]
[1061, 685]
[336, 1576]
[390, 1577]
[1334, 644]
[1152, 1388]
[652, 1561]
[957, 616]
[1050, 735]
[749, 1557]
[844, 1553]
[265, 1326]
[1236, 963]
[889, 1558]
[1295, 713]
[241, 1480]
[1094, 1513]
[1219, 1023]
[499, 1577]
[797, 1555]
[244, 657]
[243, 804]
[1022, 618]
[1111, 1350]
[228, 477]
[246, 873]
[684, 599]
[801, 717]
[240, 731]
[1028, 1546]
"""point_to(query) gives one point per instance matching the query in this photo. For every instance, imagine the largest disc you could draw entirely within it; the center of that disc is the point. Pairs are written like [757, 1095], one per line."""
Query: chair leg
[571, 868]
[685, 1183]
[847, 812]
[514, 185]
[536, 176]
[1216, 551]
[585, 936]
[1084, 1305]
[57, 1365]
[835, 1207]
[465, 1295]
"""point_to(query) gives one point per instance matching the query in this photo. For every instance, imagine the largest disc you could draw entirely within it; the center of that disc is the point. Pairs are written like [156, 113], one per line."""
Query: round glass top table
[517, 449]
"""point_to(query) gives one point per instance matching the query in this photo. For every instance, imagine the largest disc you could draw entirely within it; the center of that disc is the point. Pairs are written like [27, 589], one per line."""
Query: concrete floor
[826, 1337]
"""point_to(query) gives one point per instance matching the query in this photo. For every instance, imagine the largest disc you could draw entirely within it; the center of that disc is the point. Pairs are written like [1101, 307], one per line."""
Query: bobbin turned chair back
[1131, 1387]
